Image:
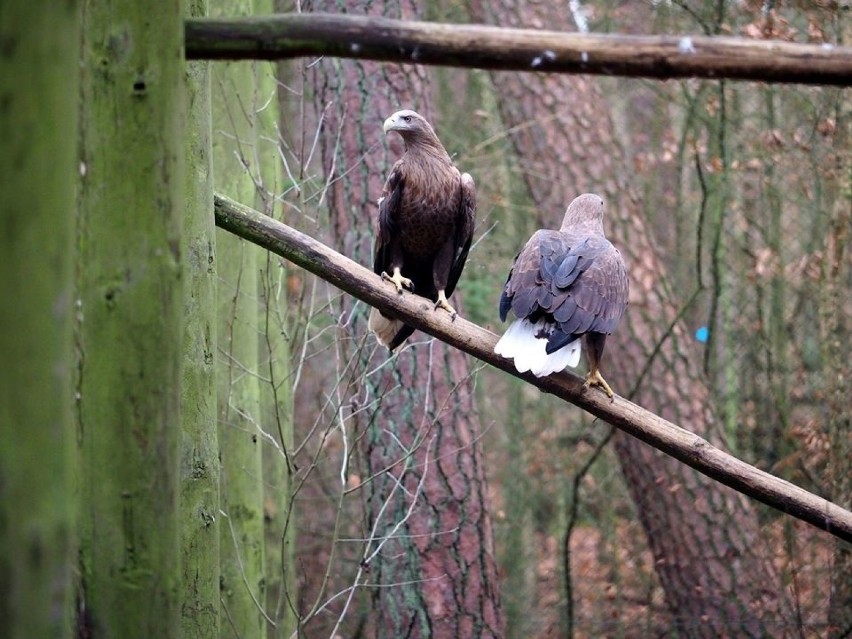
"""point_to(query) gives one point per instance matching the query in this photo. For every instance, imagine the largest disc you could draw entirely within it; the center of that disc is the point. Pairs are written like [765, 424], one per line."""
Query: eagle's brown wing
[577, 282]
[464, 231]
[388, 251]
[387, 236]
[425, 222]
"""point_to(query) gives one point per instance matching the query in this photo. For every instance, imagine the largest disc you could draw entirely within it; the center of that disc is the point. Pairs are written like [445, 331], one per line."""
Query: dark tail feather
[505, 305]
[403, 334]
[557, 340]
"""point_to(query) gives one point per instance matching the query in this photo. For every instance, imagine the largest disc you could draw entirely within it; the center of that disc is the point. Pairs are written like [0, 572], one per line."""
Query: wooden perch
[684, 446]
[486, 47]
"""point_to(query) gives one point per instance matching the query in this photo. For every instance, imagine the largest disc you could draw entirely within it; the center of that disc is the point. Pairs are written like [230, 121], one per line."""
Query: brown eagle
[565, 285]
[425, 224]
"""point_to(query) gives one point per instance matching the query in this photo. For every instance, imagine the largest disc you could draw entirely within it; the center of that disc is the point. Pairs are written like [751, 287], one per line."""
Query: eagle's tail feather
[385, 328]
[526, 344]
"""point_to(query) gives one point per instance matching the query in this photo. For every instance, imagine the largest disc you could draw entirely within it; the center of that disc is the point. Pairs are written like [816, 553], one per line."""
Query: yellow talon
[443, 303]
[398, 280]
[594, 378]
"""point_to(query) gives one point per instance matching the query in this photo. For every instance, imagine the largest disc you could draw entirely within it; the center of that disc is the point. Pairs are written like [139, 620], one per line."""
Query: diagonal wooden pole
[486, 47]
[673, 440]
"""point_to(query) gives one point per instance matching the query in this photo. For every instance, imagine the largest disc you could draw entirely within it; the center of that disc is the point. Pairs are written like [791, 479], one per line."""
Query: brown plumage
[565, 285]
[425, 223]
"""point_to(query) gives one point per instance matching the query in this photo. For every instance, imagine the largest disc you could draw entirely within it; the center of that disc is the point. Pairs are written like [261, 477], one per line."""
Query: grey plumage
[563, 286]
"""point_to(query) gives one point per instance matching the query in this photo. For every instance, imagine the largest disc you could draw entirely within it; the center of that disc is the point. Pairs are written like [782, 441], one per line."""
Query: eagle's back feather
[563, 285]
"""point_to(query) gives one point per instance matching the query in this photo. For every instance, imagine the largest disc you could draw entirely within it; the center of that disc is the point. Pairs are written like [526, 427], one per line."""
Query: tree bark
[130, 318]
[834, 330]
[834, 325]
[704, 537]
[39, 70]
[426, 498]
[240, 437]
[199, 497]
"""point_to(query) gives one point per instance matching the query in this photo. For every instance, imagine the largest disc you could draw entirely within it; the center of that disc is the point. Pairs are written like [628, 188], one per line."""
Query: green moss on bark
[39, 42]
[276, 395]
[130, 333]
[242, 548]
[200, 521]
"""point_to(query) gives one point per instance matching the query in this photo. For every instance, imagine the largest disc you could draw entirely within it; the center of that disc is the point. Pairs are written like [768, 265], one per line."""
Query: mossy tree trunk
[199, 469]
[130, 320]
[276, 386]
[240, 437]
[39, 45]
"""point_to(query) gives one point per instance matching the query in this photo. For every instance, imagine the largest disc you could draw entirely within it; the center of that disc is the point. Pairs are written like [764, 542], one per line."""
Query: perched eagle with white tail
[565, 285]
[425, 225]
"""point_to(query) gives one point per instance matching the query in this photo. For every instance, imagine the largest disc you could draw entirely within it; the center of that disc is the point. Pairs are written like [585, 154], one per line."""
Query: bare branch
[681, 444]
[486, 47]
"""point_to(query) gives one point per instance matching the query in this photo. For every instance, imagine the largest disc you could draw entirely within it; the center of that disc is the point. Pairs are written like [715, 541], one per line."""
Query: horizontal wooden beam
[634, 420]
[485, 47]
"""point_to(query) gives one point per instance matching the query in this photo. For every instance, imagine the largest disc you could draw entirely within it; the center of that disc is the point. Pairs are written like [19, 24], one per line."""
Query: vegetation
[250, 463]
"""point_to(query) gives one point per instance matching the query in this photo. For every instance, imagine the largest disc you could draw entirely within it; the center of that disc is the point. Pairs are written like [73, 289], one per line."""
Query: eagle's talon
[398, 280]
[442, 302]
[594, 378]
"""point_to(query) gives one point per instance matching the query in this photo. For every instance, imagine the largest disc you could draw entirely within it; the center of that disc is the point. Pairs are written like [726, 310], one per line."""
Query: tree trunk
[276, 393]
[429, 525]
[200, 519]
[834, 336]
[240, 441]
[703, 536]
[834, 333]
[39, 70]
[130, 331]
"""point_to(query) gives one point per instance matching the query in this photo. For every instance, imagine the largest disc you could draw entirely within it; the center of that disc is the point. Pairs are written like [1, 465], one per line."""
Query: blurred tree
[130, 319]
[199, 497]
[429, 546]
[274, 367]
[39, 70]
[234, 143]
[834, 331]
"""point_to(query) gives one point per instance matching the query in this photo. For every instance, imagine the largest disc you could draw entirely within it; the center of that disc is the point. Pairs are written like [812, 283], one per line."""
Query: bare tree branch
[486, 47]
[673, 440]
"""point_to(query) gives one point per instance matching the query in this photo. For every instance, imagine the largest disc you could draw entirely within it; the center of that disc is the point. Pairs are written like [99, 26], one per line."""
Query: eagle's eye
[407, 118]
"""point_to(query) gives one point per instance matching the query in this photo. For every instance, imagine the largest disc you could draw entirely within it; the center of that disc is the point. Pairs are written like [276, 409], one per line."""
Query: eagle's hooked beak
[404, 122]
[389, 124]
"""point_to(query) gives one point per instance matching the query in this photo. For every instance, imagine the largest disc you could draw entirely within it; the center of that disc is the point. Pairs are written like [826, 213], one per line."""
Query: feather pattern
[426, 218]
[563, 285]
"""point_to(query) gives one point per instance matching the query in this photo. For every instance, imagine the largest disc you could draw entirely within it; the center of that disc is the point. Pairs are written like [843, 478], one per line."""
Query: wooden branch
[486, 47]
[684, 446]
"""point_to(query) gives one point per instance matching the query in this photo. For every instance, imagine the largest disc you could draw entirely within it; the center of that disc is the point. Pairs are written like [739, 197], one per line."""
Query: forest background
[318, 488]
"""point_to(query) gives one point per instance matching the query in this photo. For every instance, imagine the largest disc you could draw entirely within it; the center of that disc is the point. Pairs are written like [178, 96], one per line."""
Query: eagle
[425, 223]
[563, 286]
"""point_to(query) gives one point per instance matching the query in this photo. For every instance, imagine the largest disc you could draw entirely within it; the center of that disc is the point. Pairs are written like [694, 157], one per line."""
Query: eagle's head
[585, 211]
[412, 126]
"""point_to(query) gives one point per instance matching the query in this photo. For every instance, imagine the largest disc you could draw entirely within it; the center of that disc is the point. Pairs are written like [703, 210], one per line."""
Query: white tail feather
[521, 344]
[384, 327]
